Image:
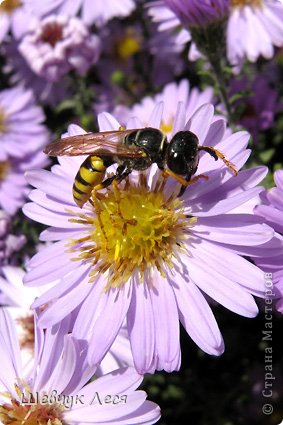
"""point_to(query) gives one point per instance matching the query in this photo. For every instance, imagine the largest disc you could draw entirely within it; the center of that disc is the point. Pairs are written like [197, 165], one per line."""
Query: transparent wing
[105, 143]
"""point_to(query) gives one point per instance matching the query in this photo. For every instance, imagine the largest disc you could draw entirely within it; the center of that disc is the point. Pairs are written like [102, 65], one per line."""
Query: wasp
[135, 149]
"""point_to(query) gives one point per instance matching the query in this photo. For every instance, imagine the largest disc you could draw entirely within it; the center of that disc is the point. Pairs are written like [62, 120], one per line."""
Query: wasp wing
[107, 143]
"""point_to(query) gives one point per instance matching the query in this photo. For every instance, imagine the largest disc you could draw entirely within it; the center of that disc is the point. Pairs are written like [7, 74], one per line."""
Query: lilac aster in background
[143, 253]
[57, 393]
[14, 16]
[198, 13]
[13, 185]
[22, 137]
[174, 95]
[19, 72]
[18, 298]
[21, 128]
[10, 244]
[167, 20]
[168, 61]
[271, 210]
[254, 27]
[259, 107]
[98, 13]
[56, 44]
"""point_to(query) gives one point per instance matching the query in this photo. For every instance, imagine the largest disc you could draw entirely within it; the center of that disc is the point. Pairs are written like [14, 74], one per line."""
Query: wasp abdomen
[90, 174]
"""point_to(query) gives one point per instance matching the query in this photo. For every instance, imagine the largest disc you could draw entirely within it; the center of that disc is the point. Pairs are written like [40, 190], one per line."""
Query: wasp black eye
[182, 153]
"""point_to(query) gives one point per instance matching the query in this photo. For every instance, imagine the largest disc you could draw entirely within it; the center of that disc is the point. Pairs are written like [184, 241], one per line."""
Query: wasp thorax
[132, 230]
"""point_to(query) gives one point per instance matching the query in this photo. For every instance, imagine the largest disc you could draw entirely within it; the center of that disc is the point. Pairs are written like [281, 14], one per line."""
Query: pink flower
[103, 11]
[57, 44]
[57, 391]
[144, 253]
[254, 27]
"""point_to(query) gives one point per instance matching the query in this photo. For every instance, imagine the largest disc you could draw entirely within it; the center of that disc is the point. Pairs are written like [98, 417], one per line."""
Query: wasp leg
[169, 173]
[191, 181]
[120, 175]
[184, 182]
[217, 154]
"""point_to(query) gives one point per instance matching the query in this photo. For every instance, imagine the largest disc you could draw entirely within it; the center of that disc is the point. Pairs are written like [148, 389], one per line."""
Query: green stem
[211, 41]
[217, 68]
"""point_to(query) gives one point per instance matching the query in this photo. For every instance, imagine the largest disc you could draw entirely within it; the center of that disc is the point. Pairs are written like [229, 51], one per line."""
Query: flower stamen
[133, 230]
[4, 169]
[242, 3]
[27, 338]
[8, 6]
[28, 411]
[3, 125]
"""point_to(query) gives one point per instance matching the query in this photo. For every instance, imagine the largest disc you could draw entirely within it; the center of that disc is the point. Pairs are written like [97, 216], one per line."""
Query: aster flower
[13, 185]
[172, 95]
[271, 210]
[57, 391]
[243, 17]
[143, 253]
[17, 299]
[167, 20]
[57, 44]
[197, 13]
[19, 71]
[14, 16]
[121, 43]
[206, 20]
[259, 107]
[9, 244]
[22, 137]
[254, 27]
[21, 130]
[167, 59]
[103, 11]
[123, 47]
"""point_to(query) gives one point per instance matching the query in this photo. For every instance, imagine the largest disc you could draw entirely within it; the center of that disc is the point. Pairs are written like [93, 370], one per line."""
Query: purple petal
[200, 121]
[68, 302]
[221, 288]
[197, 318]
[141, 328]
[167, 339]
[114, 303]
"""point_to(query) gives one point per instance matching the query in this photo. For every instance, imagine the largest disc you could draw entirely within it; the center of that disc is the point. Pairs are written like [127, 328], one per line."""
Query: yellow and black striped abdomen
[90, 174]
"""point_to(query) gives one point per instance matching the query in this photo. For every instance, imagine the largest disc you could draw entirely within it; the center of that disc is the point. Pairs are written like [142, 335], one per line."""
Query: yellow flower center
[133, 230]
[27, 325]
[8, 6]
[166, 127]
[4, 169]
[128, 45]
[242, 3]
[3, 125]
[28, 412]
